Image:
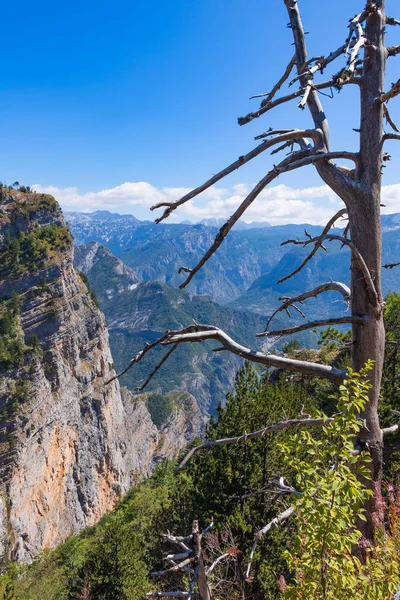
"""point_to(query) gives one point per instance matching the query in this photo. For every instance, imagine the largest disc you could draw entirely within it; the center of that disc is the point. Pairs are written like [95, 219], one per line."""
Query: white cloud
[278, 204]
[391, 198]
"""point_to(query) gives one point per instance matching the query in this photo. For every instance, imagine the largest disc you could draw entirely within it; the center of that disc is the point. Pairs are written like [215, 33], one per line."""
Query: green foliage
[29, 252]
[12, 346]
[214, 484]
[330, 477]
[160, 408]
[92, 293]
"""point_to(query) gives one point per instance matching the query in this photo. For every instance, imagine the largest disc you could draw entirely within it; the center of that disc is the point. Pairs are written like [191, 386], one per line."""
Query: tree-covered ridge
[12, 345]
[32, 231]
[30, 252]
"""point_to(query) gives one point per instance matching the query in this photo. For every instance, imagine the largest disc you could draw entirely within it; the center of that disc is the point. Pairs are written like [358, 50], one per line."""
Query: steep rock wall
[69, 445]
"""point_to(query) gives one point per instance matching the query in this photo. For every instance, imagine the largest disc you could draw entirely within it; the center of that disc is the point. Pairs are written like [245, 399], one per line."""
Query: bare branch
[321, 63]
[318, 245]
[139, 356]
[393, 428]
[199, 333]
[270, 95]
[393, 50]
[356, 253]
[156, 369]
[171, 595]
[355, 25]
[391, 265]
[288, 135]
[175, 568]
[336, 286]
[265, 107]
[390, 136]
[392, 93]
[389, 119]
[215, 563]
[295, 161]
[392, 21]
[307, 422]
[312, 325]
[281, 518]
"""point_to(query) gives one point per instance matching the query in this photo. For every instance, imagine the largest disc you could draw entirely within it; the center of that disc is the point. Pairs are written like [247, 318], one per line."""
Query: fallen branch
[172, 594]
[175, 568]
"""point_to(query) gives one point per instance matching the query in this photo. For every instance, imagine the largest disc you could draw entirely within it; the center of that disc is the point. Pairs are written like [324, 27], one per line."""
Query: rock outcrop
[70, 444]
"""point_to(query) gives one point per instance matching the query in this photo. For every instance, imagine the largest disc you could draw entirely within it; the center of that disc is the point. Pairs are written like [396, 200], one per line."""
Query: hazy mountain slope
[263, 295]
[156, 252]
[140, 315]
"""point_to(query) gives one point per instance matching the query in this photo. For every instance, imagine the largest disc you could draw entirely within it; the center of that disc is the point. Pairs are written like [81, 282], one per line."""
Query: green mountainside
[137, 314]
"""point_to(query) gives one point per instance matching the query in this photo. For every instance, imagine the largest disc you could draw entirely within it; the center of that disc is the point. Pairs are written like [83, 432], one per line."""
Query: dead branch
[156, 369]
[390, 136]
[175, 568]
[289, 135]
[199, 333]
[389, 119]
[171, 595]
[265, 107]
[392, 21]
[393, 50]
[356, 253]
[336, 286]
[321, 63]
[215, 563]
[318, 245]
[391, 265]
[270, 95]
[295, 161]
[312, 325]
[139, 356]
[307, 422]
[392, 93]
[297, 133]
[278, 520]
[393, 428]
[355, 26]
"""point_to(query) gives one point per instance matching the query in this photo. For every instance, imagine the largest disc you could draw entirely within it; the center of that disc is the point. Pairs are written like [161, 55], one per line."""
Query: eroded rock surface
[70, 443]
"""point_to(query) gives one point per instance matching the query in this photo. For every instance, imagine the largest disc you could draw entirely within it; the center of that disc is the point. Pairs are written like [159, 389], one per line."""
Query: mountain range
[237, 291]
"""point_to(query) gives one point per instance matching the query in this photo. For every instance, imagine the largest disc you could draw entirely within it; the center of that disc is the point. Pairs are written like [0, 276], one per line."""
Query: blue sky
[114, 105]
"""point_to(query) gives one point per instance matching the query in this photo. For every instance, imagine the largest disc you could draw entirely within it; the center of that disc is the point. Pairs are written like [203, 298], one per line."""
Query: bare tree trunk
[365, 226]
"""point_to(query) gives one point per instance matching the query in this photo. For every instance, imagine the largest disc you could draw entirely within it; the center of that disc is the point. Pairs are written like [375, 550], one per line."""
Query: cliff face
[69, 444]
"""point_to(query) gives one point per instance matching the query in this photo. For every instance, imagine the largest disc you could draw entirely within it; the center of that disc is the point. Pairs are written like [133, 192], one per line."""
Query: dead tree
[358, 185]
[191, 560]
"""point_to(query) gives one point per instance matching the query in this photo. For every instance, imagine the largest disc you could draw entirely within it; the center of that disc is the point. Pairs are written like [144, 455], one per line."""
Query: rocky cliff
[70, 444]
